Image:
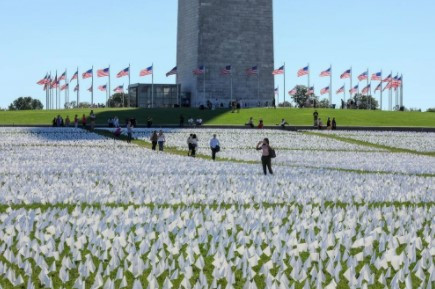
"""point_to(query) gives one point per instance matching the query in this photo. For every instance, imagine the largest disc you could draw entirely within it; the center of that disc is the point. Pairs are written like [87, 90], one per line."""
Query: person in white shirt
[215, 147]
[161, 140]
[194, 142]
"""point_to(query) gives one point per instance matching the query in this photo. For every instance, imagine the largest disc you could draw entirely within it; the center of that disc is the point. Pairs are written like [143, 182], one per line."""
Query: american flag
[346, 74]
[293, 91]
[341, 90]
[379, 87]
[63, 76]
[76, 88]
[310, 91]
[366, 89]
[396, 81]
[363, 76]
[303, 71]
[388, 79]
[102, 87]
[199, 71]
[252, 71]
[119, 89]
[91, 88]
[354, 89]
[55, 83]
[173, 71]
[226, 70]
[389, 86]
[103, 72]
[146, 71]
[324, 90]
[326, 72]
[43, 81]
[377, 76]
[75, 76]
[65, 86]
[87, 74]
[277, 91]
[124, 72]
[278, 71]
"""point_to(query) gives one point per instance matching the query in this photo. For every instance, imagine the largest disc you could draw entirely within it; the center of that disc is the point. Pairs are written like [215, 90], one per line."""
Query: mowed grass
[270, 116]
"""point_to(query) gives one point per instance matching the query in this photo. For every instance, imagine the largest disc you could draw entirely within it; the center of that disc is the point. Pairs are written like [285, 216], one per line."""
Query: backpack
[272, 153]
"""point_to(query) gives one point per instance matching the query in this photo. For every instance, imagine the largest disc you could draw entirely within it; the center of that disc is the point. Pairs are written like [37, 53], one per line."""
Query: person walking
[214, 146]
[161, 140]
[154, 138]
[194, 143]
[129, 131]
[266, 155]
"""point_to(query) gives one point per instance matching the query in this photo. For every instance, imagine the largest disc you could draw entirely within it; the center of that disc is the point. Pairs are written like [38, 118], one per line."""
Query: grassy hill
[224, 116]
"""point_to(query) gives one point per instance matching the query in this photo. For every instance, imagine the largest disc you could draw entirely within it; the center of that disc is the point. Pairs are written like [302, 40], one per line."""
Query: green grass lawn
[224, 116]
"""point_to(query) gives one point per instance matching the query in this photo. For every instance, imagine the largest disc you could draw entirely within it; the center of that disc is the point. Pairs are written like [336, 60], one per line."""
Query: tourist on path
[266, 157]
[214, 146]
[154, 138]
[84, 121]
[161, 140]
[129, 131]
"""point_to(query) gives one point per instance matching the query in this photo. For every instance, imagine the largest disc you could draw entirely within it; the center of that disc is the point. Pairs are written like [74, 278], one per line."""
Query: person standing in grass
[334, 123]
[266, 155]
[129, 131]
[189, 145]
[194, 143]
[315, 116]
[92, 118]
[76, 121]
[161, 140]
[67, 121]
[84, 121]
[154, 138]
[215, 147]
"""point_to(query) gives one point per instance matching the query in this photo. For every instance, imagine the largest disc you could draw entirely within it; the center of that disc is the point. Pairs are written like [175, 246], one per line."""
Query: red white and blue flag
[146, 71]
[388, 78]
[303, 71]
[326, 72]
[124, 72]
[366, 89]
[226, 70]
[279, 71]
[324, 90]
[310, 90]
[377, 76]
[354, 89]
[63, 76]
[396, 81]
[63, 87]
[119, 89]
[363, 76]
[55, 82]
[43, 81]
[199, 71]
[76, 88]
[346, 74]
[173, 71]
[75, 76]
[341, 90]
[102, 87]
[87, 74]
[379, 87]
[252, 71]
[293, 91]
[103, 72]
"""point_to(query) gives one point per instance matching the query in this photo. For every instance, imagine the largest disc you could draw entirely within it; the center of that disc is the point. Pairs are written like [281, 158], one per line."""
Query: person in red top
[260, 123]
[84, 121]
[266, 159]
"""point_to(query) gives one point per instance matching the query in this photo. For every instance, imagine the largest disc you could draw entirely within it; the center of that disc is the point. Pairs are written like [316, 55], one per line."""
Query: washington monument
[220, 33]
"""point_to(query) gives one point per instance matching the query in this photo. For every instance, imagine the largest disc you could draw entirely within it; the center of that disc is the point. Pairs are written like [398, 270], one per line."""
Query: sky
[46, 35]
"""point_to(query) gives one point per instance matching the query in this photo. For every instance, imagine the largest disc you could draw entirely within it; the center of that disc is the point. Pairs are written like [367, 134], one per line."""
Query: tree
[117, 100]
[365, 102]
[302, 99]
[324, 103]
[26, 103]
[285, 104]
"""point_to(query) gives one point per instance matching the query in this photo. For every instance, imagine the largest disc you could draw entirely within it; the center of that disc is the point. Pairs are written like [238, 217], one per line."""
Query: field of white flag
[81, 210]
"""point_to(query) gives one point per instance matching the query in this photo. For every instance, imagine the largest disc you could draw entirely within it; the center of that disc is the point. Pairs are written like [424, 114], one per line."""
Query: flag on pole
[119, 89]
[43, 81]
[377, 76]
[278, 71]
[310, 91]
[354, 89]
[103, 72]
[199, 71]
[324, 90]
[252, 71]
[346, 74]
[102, 87]
[366, 89]
[76, 88]
[293, 91]
[146, 71]
[63, 76]
[326, 72]
[396, 81]
[87, 74]
[388, 79]
[303, 71]
[379, 87]
[226, 70]
[55, 83]
[173, 71]
[63, 87]
[90, 88]
[389, 86]
[75, 76]
[341, 90]
[124, 72]
[363, 76]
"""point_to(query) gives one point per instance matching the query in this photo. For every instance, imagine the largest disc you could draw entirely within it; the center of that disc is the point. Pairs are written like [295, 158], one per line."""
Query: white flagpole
[401, 90]
[108, 91]
[330, 86]
[128, 88]
[380, 102]
[283, 91]
[78, 88]
[152, 85]
[92, 87]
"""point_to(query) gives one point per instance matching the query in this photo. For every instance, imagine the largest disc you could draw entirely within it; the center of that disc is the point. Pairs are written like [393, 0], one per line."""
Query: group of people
[157, 138]
[318, 123]
[60, 122]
